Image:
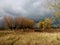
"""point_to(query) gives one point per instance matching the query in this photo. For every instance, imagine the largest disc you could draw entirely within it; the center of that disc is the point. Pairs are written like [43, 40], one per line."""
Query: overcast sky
[24, 7]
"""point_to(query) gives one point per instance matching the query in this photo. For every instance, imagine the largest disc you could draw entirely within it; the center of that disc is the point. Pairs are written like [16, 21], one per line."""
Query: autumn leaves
[46, 24]
[17, 23]
[24, 23]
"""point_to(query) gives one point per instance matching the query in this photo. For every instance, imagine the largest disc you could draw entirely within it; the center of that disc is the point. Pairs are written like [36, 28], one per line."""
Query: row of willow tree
[17, 23]
[24, 23]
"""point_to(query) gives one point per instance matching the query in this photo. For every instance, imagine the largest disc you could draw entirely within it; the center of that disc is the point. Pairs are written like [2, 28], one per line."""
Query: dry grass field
[29, 38]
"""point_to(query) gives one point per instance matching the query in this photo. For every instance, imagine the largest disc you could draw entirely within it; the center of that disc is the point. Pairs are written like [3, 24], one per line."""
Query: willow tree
[23, 23]
[8, 22]
[55, 5]
[57, 12]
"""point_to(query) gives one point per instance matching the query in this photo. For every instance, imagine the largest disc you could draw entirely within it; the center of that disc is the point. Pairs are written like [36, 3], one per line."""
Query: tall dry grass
[29, 38]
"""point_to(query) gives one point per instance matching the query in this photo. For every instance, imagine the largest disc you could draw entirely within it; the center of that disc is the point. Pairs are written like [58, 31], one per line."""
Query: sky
[24, 8]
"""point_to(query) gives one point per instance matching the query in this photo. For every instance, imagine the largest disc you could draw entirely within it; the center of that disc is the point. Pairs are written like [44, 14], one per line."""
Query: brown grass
[28, 38]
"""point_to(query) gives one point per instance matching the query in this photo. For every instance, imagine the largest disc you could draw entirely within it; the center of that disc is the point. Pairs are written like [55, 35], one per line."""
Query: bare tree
[8, 22]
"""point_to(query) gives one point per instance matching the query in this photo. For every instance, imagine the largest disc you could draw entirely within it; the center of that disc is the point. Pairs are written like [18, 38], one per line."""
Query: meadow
[29, 38]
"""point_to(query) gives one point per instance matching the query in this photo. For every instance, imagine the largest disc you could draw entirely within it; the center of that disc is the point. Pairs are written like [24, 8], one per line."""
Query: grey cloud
[23, 7]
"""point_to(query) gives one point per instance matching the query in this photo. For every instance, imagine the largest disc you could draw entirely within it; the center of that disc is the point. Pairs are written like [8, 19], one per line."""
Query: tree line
[23, 23]
[17, 23]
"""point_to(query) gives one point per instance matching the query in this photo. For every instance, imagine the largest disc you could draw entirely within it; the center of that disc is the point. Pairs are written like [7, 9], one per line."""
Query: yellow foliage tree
[40, 25]
[46, 24]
